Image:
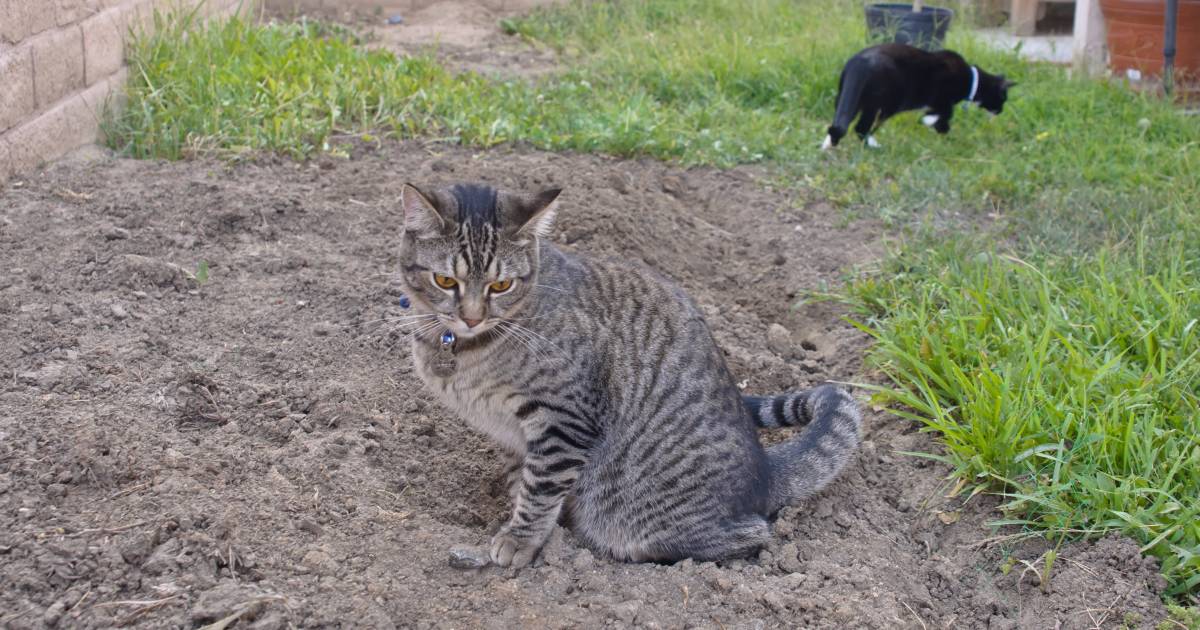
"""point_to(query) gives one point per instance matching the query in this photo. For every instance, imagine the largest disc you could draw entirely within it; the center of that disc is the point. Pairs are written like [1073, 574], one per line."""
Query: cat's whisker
[387, 319]
[518, 333]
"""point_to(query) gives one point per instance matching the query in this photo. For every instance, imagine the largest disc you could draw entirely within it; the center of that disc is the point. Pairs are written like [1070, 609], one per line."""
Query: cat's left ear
[1005, 83]
[535, 215]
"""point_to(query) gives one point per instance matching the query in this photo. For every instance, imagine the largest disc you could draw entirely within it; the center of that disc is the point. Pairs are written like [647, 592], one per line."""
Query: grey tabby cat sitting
[602, 383]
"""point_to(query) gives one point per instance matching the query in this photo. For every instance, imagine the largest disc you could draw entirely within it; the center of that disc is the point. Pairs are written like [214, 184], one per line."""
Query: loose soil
[463, 34]
[253, 448]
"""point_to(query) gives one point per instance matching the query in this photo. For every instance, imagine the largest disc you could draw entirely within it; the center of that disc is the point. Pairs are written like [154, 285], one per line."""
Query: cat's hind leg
[865, 124]
[942, 124]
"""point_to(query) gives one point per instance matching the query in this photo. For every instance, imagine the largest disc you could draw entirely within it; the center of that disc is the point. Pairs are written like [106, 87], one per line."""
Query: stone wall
[61, 63]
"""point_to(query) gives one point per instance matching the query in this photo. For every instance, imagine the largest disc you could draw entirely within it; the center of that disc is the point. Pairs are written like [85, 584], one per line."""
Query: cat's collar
[974, 87]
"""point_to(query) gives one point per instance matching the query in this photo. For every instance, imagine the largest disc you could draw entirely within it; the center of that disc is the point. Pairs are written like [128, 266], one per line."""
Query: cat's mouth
[463, 330]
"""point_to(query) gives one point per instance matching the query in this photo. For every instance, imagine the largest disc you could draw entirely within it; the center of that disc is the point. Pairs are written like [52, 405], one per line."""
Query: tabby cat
[604, 387]
[883, 80]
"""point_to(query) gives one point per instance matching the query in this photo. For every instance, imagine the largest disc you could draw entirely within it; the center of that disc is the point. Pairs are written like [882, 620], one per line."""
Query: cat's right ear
[421, 217]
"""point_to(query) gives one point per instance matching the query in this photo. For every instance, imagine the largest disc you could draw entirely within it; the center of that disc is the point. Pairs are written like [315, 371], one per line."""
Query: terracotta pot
[1135, 36]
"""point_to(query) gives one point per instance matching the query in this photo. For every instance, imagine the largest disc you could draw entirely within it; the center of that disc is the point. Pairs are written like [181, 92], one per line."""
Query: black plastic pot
[899, 23]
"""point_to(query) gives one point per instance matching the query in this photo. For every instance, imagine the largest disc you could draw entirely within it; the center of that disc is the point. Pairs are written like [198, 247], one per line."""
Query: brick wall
[61, 63]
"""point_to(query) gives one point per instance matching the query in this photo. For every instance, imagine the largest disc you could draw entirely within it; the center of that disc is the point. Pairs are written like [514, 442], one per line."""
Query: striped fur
[605, 388]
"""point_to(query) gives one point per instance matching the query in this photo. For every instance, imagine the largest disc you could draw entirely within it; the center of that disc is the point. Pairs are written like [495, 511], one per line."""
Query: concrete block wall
[61, 63]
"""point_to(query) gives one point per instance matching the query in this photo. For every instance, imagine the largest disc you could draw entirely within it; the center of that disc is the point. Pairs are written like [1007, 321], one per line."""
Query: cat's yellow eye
[500, 286]
[444, 282]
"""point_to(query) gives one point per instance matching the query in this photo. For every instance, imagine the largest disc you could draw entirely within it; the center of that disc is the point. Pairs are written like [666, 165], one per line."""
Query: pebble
[468, 558]
[584, 561]
[113, 233]
[396, 19]
[305, 525]
[779, 340]
[56, 490]
[789, 558]
[119, 311]
[627, 612]
[774, 601]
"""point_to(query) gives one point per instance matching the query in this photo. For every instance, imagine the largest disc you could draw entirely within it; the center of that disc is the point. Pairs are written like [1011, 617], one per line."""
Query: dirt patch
[464, 34]
[177, 449]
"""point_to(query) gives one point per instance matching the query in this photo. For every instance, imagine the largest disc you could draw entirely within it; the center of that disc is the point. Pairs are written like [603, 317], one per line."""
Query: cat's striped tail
[803, 465]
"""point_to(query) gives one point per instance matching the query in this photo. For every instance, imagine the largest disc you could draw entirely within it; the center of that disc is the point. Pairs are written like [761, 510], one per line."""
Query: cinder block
[68, 12]
[7, 168]
[106, 96]
[16, 75]
[21, 18]
[57, 64]
[103, 46]
[66, 126]
[134, 19]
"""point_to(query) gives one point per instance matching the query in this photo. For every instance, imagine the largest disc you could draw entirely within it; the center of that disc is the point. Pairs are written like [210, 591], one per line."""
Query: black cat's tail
[803, 465]
[850, 89]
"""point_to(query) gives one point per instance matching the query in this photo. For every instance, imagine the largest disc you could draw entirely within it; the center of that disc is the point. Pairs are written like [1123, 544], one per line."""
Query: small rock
[58, 312]
[627, 612]
[55, 612]
[810, 366]
[779, 259]
[320, 562]
[119, 311]
[584, 561]
[56, 490]
[774, 601]
[306, 525]
[672, 185]
[996, 622]
[396, 19]
[619, 182]
[323, 329]
[554, 551]
[779, 340]
[25, 512]
[114, 233]
[789, 558]
[468, 558]
[226, 598]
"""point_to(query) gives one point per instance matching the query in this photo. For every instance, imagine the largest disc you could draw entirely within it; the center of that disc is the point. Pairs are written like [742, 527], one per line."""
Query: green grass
[1040, 310]
[1072, 384]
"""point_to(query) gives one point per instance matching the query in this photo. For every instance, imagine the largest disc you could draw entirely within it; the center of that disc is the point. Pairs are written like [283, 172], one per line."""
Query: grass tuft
[1071, 385]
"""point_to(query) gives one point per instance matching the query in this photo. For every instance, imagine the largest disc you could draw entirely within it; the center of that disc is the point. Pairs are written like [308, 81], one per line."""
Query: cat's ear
[421, 216]
[534, 216]
[1005, 83]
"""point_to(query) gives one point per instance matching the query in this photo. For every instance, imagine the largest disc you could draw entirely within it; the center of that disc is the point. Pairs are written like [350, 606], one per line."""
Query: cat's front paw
[511, 550]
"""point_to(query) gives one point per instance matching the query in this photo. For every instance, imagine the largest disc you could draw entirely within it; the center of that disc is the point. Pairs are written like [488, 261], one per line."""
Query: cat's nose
[471, 323]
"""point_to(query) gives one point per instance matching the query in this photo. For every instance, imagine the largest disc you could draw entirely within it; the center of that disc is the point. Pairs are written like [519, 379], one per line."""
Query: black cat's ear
[535, 215]
[421, 216]
[1005, 83]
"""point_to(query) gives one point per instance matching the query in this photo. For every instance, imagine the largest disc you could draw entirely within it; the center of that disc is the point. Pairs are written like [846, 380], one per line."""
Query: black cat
[882, 80]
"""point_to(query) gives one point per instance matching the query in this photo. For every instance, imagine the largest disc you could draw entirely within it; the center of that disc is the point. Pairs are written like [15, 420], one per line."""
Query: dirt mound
[181, 446]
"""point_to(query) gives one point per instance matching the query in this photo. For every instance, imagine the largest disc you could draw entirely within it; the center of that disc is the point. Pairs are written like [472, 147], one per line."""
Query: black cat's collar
[974, 87]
